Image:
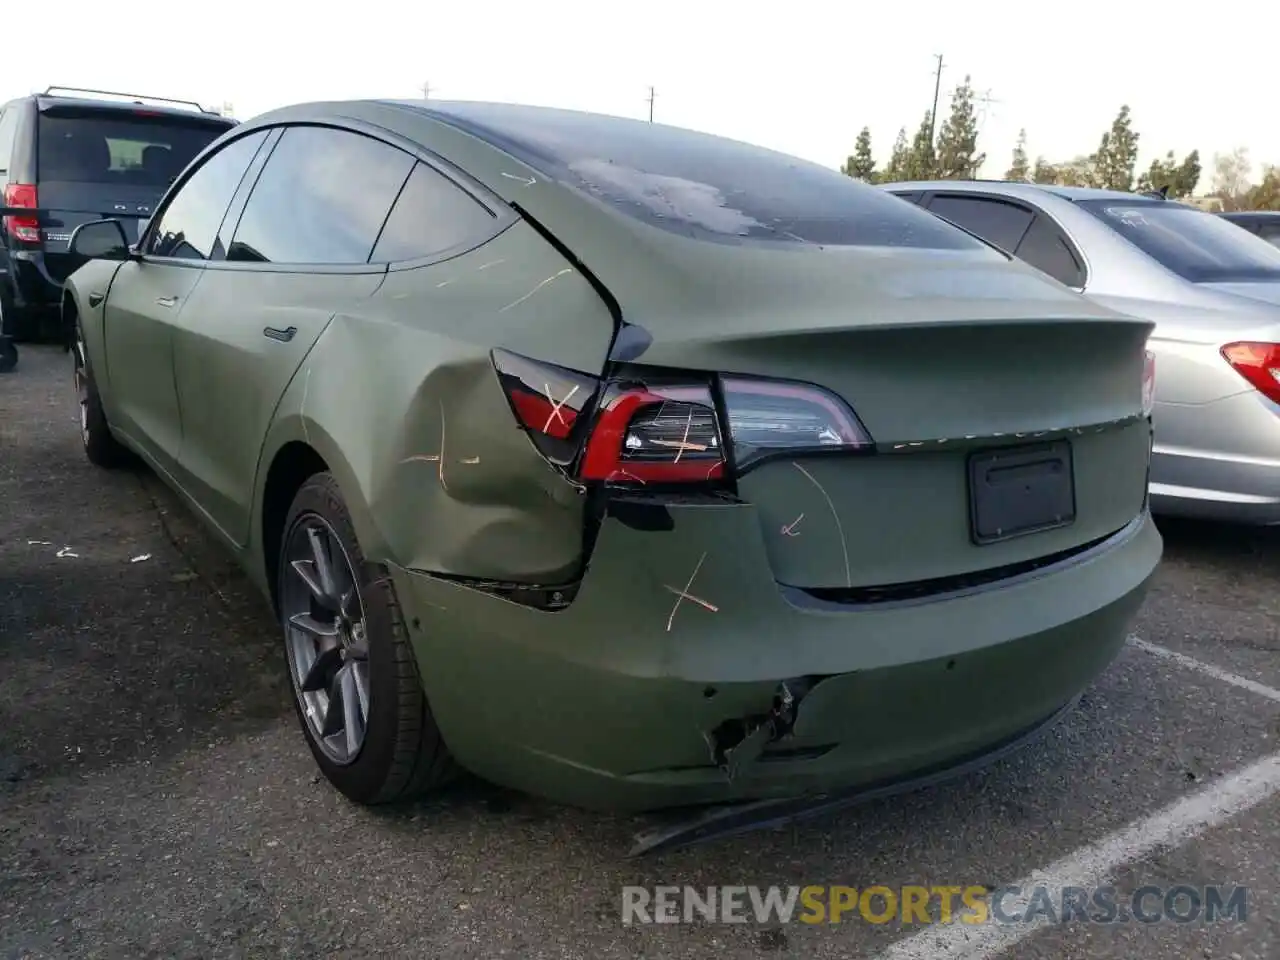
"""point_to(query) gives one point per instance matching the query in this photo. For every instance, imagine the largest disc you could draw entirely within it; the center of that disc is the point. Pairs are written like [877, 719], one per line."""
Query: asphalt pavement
[157, 798]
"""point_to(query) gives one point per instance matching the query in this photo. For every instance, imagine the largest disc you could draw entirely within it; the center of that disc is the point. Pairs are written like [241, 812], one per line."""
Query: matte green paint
[610, 702]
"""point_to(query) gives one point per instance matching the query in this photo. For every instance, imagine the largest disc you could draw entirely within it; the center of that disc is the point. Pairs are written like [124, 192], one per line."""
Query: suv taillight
[1259, 363]
[22, 228]
[666, 427]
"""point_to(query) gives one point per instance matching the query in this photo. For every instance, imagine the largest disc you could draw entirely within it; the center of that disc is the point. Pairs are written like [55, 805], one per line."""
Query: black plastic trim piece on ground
[726, 820]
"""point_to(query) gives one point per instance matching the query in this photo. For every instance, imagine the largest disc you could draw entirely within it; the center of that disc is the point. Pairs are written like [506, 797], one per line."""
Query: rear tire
[102, 449]
[356, 687]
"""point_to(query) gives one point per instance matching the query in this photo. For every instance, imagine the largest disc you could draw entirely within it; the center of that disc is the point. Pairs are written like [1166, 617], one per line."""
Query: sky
[802, 76]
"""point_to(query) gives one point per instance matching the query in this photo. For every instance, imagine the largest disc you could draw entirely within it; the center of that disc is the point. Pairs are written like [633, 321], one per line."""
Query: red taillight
[22, 228]
[1259, 363]
[655, 433]
[666, 428]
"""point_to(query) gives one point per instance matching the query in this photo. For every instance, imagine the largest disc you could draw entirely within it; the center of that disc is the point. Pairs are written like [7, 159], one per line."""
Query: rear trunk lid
[97, 162]
[1005, 410]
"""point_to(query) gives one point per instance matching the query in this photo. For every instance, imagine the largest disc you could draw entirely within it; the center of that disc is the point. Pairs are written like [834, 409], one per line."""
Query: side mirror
[100, 240]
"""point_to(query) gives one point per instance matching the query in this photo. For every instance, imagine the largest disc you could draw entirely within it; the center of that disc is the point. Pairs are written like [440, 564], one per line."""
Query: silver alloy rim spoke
[325, 639]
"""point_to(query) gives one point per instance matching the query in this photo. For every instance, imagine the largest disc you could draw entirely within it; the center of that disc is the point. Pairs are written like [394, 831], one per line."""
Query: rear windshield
[704, 186]
[1197, 246]
[118, 148]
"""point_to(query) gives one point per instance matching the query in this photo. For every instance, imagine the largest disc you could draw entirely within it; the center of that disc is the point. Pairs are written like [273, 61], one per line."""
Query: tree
[1231, 178]
[1179, 178]
[1020, 169]
[921, 159]
[1266, 195]
[957, 156]
[900, 160]
[1080, 172]
[1117, 154]
[862, 165]
[1044, 172]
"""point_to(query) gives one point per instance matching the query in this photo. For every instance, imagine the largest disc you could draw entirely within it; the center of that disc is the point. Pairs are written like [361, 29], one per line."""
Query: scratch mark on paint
[682, 595]
[516, 303]
[491, 263]
[789, 529]
[67, 552]
[302, 410]
[555, 407]
[440, 457]
[470, 460]
[844, 544]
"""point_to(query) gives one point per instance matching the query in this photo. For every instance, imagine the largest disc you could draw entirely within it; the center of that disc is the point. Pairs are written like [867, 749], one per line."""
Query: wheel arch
[297, 454]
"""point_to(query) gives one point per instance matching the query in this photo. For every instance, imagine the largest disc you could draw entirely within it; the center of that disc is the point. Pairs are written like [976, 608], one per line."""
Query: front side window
[321, 199]
[188, 227]
[1197, 246]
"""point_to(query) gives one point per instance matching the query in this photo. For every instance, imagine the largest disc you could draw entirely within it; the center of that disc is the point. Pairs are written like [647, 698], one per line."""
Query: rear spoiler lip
[73, 107]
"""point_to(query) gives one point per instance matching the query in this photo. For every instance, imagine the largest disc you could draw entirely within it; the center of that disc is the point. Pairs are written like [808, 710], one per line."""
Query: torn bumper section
[681, 674]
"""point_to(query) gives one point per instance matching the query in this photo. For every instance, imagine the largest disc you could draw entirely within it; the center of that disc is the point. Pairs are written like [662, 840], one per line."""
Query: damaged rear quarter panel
[402, 400]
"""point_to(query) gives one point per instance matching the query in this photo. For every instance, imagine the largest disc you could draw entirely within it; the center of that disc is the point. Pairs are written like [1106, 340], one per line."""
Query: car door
[296, 255]
[150, 294]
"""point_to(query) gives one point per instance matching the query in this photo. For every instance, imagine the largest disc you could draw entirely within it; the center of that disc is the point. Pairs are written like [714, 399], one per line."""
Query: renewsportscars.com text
[973, 904]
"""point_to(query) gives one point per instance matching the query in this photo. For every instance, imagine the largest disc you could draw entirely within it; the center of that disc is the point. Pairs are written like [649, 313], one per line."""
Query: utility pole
[651, 96]
[426, 90]
[937, 88]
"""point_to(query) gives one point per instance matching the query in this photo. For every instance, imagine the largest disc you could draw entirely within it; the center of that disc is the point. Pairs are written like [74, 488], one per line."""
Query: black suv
[76, 156]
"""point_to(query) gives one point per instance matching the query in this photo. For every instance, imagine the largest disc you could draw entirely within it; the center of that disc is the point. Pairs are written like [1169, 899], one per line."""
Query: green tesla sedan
[618, 463]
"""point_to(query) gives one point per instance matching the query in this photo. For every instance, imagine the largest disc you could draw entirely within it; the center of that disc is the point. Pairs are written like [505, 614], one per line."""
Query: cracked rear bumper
[601, 705]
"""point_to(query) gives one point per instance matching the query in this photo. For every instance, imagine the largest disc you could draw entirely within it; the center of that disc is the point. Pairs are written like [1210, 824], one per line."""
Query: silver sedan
[1213, 291]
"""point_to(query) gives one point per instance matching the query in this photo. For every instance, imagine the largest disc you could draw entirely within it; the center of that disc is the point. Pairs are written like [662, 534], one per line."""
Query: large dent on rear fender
[445, 477]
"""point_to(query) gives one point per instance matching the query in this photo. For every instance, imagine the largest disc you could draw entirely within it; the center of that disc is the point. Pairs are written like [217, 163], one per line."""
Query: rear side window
[1045, 247]
[188, 227]
[431, 215]
[118, 148]
[8, 133]
[1270, 232]
[994, 220]
[704, 186]
[321, 199]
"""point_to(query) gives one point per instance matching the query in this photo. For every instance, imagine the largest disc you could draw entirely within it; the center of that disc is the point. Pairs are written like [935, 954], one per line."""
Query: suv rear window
[118, 148]
[705, 186]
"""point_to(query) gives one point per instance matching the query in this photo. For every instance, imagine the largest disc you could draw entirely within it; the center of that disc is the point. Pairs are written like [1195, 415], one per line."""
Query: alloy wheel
[327, 643]
[82, 389]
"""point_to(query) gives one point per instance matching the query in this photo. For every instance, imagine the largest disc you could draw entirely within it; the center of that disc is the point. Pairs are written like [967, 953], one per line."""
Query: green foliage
[899, 160]
[1117, 154]
[862, 164]
[1044, 172]
[1020, 168]
[922, 160]
[1180, 178]
[1266, 195]
[956, 155]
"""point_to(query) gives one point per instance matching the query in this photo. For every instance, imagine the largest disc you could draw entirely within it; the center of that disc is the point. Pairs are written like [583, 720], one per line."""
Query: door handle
[166, 301]
[284, 336]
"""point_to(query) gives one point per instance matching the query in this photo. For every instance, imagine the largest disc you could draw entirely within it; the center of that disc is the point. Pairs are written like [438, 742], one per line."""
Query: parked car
[618, 463]
[1265, 223]
[1213, 292]
[71, 156]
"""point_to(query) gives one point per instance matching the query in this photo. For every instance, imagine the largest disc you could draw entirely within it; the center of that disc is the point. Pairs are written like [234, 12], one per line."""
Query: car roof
[45, 100]
[1249, 214]
[1020, 188]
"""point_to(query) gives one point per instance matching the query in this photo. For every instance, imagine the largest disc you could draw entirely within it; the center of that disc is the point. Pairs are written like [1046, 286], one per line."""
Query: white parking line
[1090, 867]
[1208, 669]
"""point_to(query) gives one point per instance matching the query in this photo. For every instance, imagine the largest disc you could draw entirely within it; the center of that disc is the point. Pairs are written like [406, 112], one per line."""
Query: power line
[652, 95]
[426, 90]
